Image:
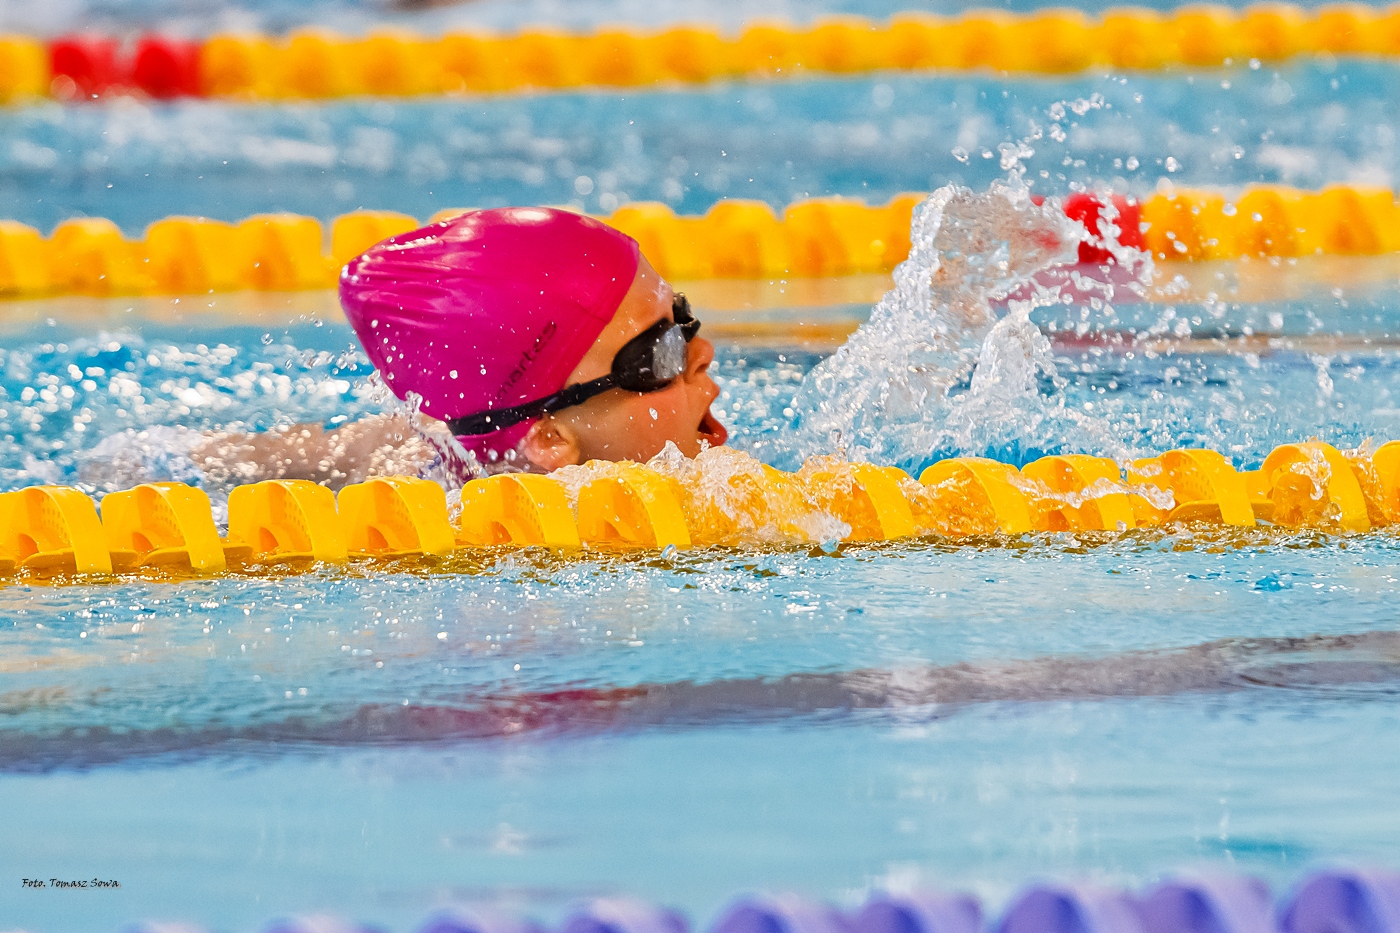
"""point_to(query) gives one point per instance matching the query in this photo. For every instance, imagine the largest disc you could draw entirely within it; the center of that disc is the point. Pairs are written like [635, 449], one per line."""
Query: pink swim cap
[487, 310]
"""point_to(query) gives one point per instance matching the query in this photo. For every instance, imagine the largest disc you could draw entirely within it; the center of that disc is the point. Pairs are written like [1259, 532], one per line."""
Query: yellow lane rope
[738, 239]
[723, 497]
[315, 64]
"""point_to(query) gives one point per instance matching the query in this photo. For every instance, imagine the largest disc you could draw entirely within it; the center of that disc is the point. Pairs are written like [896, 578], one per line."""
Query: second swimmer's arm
[379, 445]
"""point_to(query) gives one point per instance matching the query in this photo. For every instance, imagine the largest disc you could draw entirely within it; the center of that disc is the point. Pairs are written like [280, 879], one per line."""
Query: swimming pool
[525, 730]
[380, 742]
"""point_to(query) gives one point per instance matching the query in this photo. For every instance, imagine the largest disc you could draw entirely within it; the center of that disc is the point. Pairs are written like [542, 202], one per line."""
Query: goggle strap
[487, 422]
[573, 395]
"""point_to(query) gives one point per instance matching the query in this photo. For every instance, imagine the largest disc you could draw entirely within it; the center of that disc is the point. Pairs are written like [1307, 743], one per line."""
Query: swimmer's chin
[711, 431]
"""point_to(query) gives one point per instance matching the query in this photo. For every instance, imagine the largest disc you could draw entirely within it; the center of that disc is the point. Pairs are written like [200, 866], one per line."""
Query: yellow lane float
[732, 500]
[159, 524]
[52, 528]
[394, 516]
[972, 496]
[1202, 483]
[1380, 478]
[625, 505]
[722, 497]
[516, 508]
[287, 520]
[866, 497]
[1314, 484]
[1086, 494]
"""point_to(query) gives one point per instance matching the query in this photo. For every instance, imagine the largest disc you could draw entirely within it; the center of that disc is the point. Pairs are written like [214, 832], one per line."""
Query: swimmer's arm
[379, 445]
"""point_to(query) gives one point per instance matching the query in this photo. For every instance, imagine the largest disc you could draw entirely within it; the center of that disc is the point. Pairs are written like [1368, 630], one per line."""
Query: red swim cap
[487, 310]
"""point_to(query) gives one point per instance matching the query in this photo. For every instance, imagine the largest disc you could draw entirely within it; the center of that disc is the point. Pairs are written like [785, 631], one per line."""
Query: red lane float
[165, 68]
[83, 67]
[1088, 209]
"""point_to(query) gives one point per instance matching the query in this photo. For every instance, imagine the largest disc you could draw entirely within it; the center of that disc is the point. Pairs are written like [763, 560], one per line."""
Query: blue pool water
[525, 729]
[1306, 124]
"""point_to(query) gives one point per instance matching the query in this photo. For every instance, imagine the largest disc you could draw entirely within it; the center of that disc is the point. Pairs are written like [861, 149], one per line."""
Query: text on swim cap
[526, 358]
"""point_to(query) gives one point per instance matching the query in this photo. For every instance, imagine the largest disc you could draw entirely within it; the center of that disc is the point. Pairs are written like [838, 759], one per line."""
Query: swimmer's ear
[551, 444]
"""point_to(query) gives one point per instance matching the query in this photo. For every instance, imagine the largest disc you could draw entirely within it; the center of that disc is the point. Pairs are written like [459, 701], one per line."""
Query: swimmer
[539, 338]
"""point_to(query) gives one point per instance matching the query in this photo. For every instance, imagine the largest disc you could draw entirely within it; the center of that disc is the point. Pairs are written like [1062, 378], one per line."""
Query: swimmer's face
[622, 425]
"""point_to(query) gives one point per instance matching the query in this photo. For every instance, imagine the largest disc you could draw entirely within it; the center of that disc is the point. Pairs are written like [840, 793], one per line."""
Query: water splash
[452, 465]
[395, 440]
[738, 500]
[950, 361]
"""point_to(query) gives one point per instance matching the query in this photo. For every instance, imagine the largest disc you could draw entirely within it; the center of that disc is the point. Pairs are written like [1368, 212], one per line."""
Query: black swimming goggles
[648, 362]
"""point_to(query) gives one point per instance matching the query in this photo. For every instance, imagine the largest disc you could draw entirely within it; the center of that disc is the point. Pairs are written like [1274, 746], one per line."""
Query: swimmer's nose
[699, 355]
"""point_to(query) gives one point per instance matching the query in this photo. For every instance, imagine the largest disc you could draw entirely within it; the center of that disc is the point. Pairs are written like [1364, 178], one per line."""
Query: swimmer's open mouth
[711, 430]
